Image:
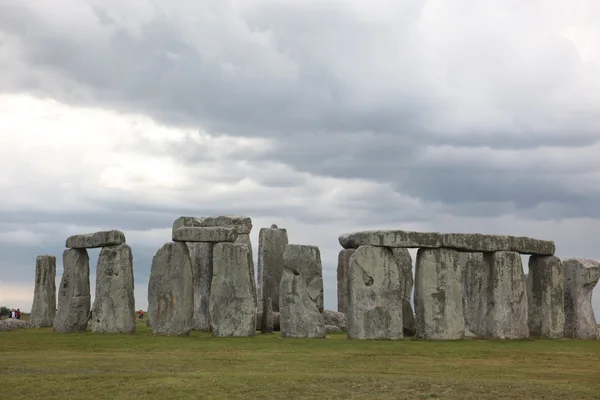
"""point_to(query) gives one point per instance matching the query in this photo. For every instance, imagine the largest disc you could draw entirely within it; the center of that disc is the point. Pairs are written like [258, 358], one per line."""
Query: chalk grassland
[39, 364]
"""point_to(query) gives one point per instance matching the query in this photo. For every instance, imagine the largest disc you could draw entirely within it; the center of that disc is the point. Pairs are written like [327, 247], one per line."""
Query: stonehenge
[464, 285]
[43, 309]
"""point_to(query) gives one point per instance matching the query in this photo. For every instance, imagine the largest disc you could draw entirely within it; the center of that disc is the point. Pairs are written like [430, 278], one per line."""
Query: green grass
[37, 363]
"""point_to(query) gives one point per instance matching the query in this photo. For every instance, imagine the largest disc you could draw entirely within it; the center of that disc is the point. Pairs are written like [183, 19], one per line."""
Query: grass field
[37, 363]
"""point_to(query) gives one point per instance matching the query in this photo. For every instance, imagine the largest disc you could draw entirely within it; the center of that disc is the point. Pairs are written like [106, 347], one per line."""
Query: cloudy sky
[321, 116]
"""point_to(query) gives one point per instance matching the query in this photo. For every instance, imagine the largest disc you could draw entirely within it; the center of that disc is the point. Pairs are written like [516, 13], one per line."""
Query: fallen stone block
[545, 281]
[581, 276]
[335, 318]
[96, 240]
[333, 329]
[43, 310]
[74, 293]
[210, 234]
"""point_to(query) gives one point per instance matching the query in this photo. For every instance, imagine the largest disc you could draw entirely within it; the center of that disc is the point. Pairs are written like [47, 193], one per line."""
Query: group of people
[14, 314]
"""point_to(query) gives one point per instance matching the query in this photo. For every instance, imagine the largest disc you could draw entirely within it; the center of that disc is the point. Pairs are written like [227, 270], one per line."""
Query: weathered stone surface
[208, 234]
[114, 303]
[201, 256]
[438, 295]
[545, 297]
[307, 261]
[405, 269]
[504, 308]
[74, 293]
[409, 326]
[95, 240]
[43, 310]
[12, 324]
[242, 224]
[342, 275]
[375, 295]
[170, 297]
[468, 242]
[474, 289]
[333, 329]
[335, 318]
[271, 244]
[232, 295]
[266, 325]
[299, 301]
[581, 276]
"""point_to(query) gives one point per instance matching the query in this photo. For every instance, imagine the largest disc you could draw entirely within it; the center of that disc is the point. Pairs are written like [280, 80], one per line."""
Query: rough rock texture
[242, 224]
[201, 256]
[232, 295]
[333, 329]
[114, 303]
[342, 281]
[468, 242]
[438, 295]
[375, 295]
[266, 325]
[271, 244]
[299, 301]
[208, 234]
[11, 324]
[545, 297]
[43, 310]
[307, 261]
[581, 276]
[276, 319]
[335, 318]
[74, 293]
[504, 307]
[409, 326]
[474, 288]
[170, 297]
[95, 240]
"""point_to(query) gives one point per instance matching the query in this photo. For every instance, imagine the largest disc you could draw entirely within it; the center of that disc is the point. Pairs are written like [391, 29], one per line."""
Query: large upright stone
[201, 255]
[405, 272]
[474, 286]
[95, 240]
[271, 244]
[307, 261]
[545, 297]
[301, 293]
[43, 310]
[342, 278]
[438, 295]
[170, 298]
[375, 295]
[114, 303]
[74, 293]
[504, 307]
[232, 295]
[581, 276]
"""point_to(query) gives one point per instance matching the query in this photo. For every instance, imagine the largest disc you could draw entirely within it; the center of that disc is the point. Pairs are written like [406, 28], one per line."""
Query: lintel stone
[204, 234]
[96, 240]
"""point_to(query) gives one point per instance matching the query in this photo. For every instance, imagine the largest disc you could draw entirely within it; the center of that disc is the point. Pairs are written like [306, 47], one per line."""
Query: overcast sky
[323, 117]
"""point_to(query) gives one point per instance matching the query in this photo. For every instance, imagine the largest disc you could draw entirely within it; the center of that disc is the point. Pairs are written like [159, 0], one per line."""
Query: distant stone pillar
[114, 303]
[405, 273]
[375, 296]
[74, 293]
[267, 316]
[43, 310]
[438, 295]
[271, 244]
[546, 314]
[505, 304]
[581, 276]
[201, 255]
[342, 278]
[474, 289]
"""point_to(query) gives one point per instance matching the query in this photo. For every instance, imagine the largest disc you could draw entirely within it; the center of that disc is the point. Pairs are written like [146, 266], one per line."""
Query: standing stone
[409, 326]
[232, 296]
[307, 261]
[504, 307]
[114, 304]
[375, 294]
[581, 276]
[342, 278]
[43, 310]
[170, 297]
[267, 316]
[545, 297]
[405, 273]
[474, 284]
[201, 255]
[74, 293]
[438, 295]
[301, 293]
[271, 244]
